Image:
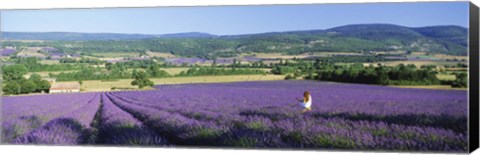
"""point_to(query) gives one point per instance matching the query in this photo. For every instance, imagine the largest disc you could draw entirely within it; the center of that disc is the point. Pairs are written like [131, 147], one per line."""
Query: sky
[232, 20]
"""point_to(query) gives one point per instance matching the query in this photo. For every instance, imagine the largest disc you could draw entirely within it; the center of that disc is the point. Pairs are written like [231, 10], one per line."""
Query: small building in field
[65, 87]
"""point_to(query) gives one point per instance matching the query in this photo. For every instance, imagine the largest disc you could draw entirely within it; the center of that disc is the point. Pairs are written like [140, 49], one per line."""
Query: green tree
[461, 80]
[14, 72]
[11, 87]
[141, 80]
[108, 65]
[28, 86]
[43, 85]
[154, 71]
[35, 77]
[382, 76]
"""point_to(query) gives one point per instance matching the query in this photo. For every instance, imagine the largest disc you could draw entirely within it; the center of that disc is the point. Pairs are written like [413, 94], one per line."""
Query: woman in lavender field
[306, 102]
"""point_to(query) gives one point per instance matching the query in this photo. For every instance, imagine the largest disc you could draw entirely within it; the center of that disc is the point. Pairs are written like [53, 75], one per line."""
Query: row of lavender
[118, 127]
[25, 115]
[265, 114]
[68, 119]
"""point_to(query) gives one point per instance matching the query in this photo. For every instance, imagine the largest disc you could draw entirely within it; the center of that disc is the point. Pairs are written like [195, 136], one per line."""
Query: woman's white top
[308, 103]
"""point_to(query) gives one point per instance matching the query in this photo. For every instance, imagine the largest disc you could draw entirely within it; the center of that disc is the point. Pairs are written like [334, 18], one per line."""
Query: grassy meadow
[99, 85]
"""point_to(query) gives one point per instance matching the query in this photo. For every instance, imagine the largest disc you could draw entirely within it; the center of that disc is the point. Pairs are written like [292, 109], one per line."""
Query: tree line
[381, 75]
[33, 65]
[110, 72]
[327, 70]
[14, 81]
[200, 71]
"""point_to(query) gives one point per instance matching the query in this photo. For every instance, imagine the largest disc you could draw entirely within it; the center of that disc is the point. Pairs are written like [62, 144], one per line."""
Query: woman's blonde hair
[306, 95]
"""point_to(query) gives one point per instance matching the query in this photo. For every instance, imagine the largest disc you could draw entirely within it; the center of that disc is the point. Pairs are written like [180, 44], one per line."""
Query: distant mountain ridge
[71, 36]
[95, 36]
[446, 39]
[358, 30]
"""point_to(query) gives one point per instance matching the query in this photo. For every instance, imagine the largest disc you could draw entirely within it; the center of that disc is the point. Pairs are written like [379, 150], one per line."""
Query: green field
[98, 85]
[45, 74]
[49, 62]
[416, 63]
[447, 77]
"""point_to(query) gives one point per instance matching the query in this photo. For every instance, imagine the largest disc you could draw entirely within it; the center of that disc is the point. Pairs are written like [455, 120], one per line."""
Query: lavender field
[245, 114]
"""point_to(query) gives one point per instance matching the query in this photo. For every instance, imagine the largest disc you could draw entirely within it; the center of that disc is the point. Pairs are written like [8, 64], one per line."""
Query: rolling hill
[348, 38]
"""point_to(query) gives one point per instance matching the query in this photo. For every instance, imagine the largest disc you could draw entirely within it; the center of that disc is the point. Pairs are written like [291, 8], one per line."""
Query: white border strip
[48, 4]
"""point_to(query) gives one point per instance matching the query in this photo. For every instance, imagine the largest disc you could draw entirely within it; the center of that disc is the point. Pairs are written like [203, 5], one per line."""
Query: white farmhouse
[65, 87]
